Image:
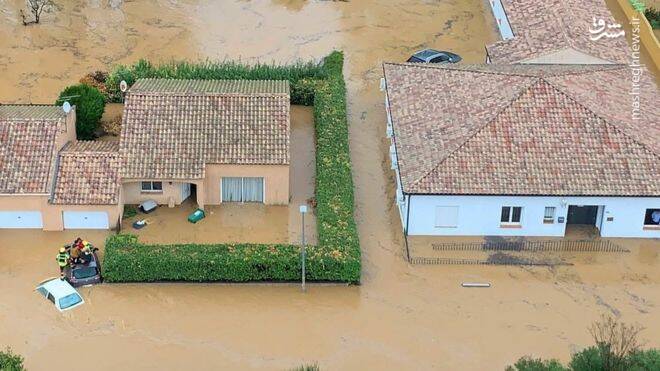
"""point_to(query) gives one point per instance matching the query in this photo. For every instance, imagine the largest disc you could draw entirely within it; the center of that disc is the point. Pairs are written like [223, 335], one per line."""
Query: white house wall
[501, 18]
[480, 215]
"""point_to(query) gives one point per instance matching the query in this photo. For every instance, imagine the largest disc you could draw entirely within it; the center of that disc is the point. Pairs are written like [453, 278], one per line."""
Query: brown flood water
[401, 318]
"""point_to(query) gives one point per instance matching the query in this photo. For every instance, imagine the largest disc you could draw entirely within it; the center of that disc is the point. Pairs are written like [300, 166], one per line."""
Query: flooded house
[50, 181]
[523, 150]
[215, 140]
[556, 32]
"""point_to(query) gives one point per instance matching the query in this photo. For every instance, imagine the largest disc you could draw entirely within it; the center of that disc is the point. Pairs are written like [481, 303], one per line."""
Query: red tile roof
[88, 174]
[27, 141]
[542, 27]
[172, 128]
[523, 129]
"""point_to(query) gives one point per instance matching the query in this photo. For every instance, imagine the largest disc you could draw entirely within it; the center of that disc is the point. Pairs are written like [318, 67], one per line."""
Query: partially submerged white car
[60, 293]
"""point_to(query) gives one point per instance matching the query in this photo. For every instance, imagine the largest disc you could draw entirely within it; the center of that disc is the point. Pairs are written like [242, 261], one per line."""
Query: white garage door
[86, 220]
[20, 219]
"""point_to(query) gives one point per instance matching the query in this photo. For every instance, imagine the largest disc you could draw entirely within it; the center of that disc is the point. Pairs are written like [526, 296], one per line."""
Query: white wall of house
[480, 215]
[501, 19]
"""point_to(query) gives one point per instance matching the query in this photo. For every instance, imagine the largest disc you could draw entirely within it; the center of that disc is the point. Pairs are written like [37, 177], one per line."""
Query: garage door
[20, 219]
[85, 220]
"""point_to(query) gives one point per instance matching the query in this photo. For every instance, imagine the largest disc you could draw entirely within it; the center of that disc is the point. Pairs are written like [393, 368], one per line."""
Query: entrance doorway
[582, 215]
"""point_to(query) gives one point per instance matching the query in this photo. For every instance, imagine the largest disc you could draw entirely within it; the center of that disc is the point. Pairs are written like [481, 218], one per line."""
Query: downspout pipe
[405, 230]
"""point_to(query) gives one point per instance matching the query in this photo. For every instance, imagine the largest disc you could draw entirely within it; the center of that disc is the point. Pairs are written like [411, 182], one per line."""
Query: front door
[582, 215]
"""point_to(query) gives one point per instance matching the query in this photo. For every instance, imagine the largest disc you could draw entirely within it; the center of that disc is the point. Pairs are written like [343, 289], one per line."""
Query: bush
[10, 361]
[645, 360]
[532, 364]
[653, 15]
[89, 104]
[130, 211]
[337, 256]
[312, 367]
[589, 359]
[301, 76]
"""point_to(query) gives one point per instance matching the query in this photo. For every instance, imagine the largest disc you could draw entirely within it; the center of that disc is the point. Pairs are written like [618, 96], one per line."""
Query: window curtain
[253, 189]
[231, 189]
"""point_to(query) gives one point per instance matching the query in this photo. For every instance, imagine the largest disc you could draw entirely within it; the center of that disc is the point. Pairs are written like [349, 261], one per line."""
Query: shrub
[589, 359]
[337, 256]
[89, 104]
[532, 364]
[130, 211]
[97, 80]
[10, 361]
[653, 15]
[645, 360]
[312, 367]
[617, 348]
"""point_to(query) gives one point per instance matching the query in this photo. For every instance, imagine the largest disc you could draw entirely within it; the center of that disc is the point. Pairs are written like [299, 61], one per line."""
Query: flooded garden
[402, 316]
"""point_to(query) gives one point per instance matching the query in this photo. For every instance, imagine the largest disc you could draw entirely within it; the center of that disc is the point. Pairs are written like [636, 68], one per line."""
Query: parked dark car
[84, 274]
[434, 56]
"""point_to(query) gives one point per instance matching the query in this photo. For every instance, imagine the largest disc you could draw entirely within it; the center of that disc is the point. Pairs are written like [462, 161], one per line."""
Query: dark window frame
[509, 214]
[153, 186]
[648, 222]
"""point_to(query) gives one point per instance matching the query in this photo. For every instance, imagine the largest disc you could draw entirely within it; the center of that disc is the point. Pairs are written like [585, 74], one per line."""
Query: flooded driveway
[248, 222]
[402, 317]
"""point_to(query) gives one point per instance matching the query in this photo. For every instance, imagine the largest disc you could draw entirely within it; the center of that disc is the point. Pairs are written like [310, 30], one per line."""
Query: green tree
[10, 361]
[89, 104]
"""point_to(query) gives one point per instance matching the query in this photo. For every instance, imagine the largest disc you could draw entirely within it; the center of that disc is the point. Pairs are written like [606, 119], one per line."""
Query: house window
[446, 216]
[511, 215]
[549, 215]
[652, 219]
[242, 189]
[152, 186]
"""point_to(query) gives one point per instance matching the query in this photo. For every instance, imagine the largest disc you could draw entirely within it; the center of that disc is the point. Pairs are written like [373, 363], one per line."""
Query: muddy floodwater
[402, 317]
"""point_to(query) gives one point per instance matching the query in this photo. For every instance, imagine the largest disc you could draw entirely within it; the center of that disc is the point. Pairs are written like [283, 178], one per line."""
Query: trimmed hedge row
[301, 76]
[337, 256]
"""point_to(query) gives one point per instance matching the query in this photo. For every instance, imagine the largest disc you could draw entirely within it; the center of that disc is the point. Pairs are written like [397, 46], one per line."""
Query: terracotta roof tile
[172, 133]
[523, 129]
[88, 174]
[542, 27]
[27, 141]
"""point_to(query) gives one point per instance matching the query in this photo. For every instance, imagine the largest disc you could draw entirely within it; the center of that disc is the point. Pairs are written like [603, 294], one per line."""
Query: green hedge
[301, 76]
[337, 256]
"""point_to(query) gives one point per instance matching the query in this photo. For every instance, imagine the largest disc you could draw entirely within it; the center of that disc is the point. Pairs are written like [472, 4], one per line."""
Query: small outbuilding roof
[523, 130]
[27, 147]
[543, 27]
[88, 174]
[172, 128]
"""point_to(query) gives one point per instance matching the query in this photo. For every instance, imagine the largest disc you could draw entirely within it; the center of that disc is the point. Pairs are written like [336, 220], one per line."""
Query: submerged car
[84, 274]
[60, 293]
[434, 56]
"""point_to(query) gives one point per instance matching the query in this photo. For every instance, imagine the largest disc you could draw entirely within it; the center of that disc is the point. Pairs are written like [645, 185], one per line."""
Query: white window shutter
[446, 216]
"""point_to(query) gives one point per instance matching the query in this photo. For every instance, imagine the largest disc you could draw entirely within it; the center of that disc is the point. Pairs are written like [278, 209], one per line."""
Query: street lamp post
[303, 210]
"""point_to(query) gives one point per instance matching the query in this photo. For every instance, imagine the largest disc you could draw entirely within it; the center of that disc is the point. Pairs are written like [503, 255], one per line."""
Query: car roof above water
[58, 287]
[426, 53]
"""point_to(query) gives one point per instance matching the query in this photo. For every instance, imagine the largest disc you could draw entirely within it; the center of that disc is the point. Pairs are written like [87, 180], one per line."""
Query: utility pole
[303, 210]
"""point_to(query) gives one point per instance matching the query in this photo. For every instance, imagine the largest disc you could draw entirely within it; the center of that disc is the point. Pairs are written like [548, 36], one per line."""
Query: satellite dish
[66, 107]
[123, 86]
